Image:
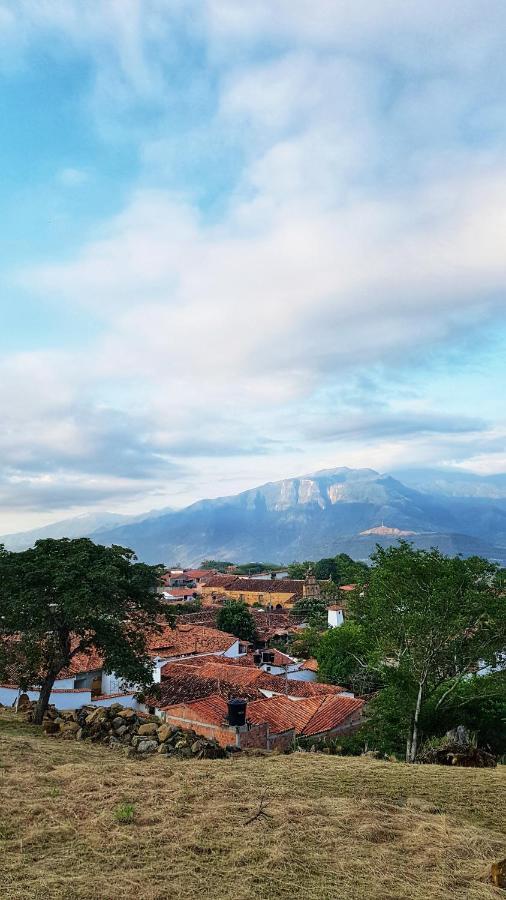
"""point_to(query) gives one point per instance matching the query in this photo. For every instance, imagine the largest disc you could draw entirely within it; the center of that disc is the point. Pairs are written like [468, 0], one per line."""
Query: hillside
[308, 517]
[317, 515]
[336, 827]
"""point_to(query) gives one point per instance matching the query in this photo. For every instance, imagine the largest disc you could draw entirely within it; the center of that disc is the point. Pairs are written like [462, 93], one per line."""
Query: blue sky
[246, 241]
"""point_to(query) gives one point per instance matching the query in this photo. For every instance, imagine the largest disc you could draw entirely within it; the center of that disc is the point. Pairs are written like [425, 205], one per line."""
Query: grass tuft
[124, 813]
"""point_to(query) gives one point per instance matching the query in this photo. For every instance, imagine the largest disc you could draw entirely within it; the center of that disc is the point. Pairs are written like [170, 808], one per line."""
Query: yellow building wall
[271, 598]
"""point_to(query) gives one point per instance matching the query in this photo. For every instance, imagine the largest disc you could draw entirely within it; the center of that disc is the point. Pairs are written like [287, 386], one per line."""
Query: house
[313, 717]
[190, 679]
[279, 593]
[179, 594]
[83, 682]
[269, 723]
[209, 718]
[194, 640]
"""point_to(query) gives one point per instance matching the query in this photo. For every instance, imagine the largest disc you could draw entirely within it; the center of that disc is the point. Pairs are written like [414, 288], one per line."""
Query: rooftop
[187, 639]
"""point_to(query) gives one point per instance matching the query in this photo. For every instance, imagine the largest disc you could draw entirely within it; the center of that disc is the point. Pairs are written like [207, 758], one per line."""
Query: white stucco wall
[60, 699]
[335, 618]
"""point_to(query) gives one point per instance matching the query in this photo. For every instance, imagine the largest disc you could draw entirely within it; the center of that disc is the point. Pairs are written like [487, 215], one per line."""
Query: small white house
[335, 616]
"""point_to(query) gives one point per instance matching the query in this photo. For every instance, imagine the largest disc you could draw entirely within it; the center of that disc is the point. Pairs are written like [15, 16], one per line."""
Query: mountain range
[309, 517]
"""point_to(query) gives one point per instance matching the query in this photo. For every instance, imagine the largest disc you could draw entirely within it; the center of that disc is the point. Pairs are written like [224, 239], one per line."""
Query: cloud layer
[314, 226]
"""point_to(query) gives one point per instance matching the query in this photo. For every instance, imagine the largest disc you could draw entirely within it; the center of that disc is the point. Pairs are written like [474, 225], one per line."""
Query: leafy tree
[299, 570]
[327, 568]
[314, 610]
[342, 655]
[235, 617]
[350, 571]
[429, 621]
[218, 564]
[305, 643]
[63, 597]
[479, 703]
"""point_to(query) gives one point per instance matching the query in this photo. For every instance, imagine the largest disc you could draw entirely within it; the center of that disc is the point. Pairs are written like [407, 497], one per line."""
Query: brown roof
[212, 710]
[216, 671]
[290, 586]
[184, 640]
[310, 717]
[310, 665]
[183, 683]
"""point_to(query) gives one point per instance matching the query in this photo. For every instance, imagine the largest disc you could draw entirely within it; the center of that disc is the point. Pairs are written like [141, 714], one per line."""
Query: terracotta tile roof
[185, 640]
[199, 573]
[215, 670]
[335, 607]
[181, 591]
[258, 585]
[183, 683]
[87, 661]
[247, 659]
[347, 587]
[310, 665]
[212, 710]
[310, 717]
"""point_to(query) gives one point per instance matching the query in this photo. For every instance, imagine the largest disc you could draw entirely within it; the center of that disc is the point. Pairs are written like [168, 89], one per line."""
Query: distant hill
[317, 515]
[311, 516]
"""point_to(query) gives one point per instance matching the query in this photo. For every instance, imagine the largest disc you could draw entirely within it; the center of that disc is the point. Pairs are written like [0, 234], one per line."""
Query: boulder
[165, 732]
[117, 722]
[121, 730]
[127, 714]
[147, 747]
[149, 729]
[51, 727]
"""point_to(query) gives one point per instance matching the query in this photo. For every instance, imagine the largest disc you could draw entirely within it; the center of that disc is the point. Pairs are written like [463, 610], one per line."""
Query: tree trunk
[414, 734]
[408, 749]
[44, 695]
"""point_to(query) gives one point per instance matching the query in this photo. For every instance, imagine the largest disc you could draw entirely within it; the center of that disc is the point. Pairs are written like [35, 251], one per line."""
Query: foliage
[63, 597]
[218, 564]
[305, 643]
[478, 703]
[235, 617]
[124, 813]
[342, 569]
[314, 610]
[428, 621]
[342, 658]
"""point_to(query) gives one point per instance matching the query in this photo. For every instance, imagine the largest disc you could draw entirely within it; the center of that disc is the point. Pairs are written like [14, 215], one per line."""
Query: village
[238, 693]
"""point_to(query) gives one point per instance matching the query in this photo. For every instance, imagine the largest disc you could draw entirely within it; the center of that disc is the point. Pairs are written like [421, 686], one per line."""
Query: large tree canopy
[63, 597]
[236, 618]
[422, 625]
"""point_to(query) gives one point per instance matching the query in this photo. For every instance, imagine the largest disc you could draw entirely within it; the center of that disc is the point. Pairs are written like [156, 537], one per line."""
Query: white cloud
[363, 229]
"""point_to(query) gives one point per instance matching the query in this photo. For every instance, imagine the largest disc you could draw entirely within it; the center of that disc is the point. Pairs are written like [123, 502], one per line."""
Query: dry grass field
[354, 829]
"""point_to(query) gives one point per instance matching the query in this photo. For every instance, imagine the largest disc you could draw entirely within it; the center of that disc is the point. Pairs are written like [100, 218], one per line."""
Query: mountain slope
[312, 516]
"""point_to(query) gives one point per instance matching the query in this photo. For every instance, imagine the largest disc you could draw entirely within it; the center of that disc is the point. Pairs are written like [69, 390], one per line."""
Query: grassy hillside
[336, 828]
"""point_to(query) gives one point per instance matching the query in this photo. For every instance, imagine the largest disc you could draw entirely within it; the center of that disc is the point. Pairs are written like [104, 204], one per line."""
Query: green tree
[349, 571]
[314, 610]
[219, 564]
[63, 597]
[428, 620]
[342, 655]
[299, 569]
[235, 617]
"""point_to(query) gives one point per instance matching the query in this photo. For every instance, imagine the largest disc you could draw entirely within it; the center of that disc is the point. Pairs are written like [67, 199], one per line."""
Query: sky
[245, 241]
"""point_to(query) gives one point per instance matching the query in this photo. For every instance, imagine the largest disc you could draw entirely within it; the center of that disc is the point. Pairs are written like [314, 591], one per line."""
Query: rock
[69, 728]
[114, 710]
[149, 728]
[136, 740]
[98, 715]
[24, 703]
[498, 874]
[51, 728]
[163, 748]
[147, 747]
[117, 722]
[127, 714]
[80, 735]
[165, 732]
[121, 730]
